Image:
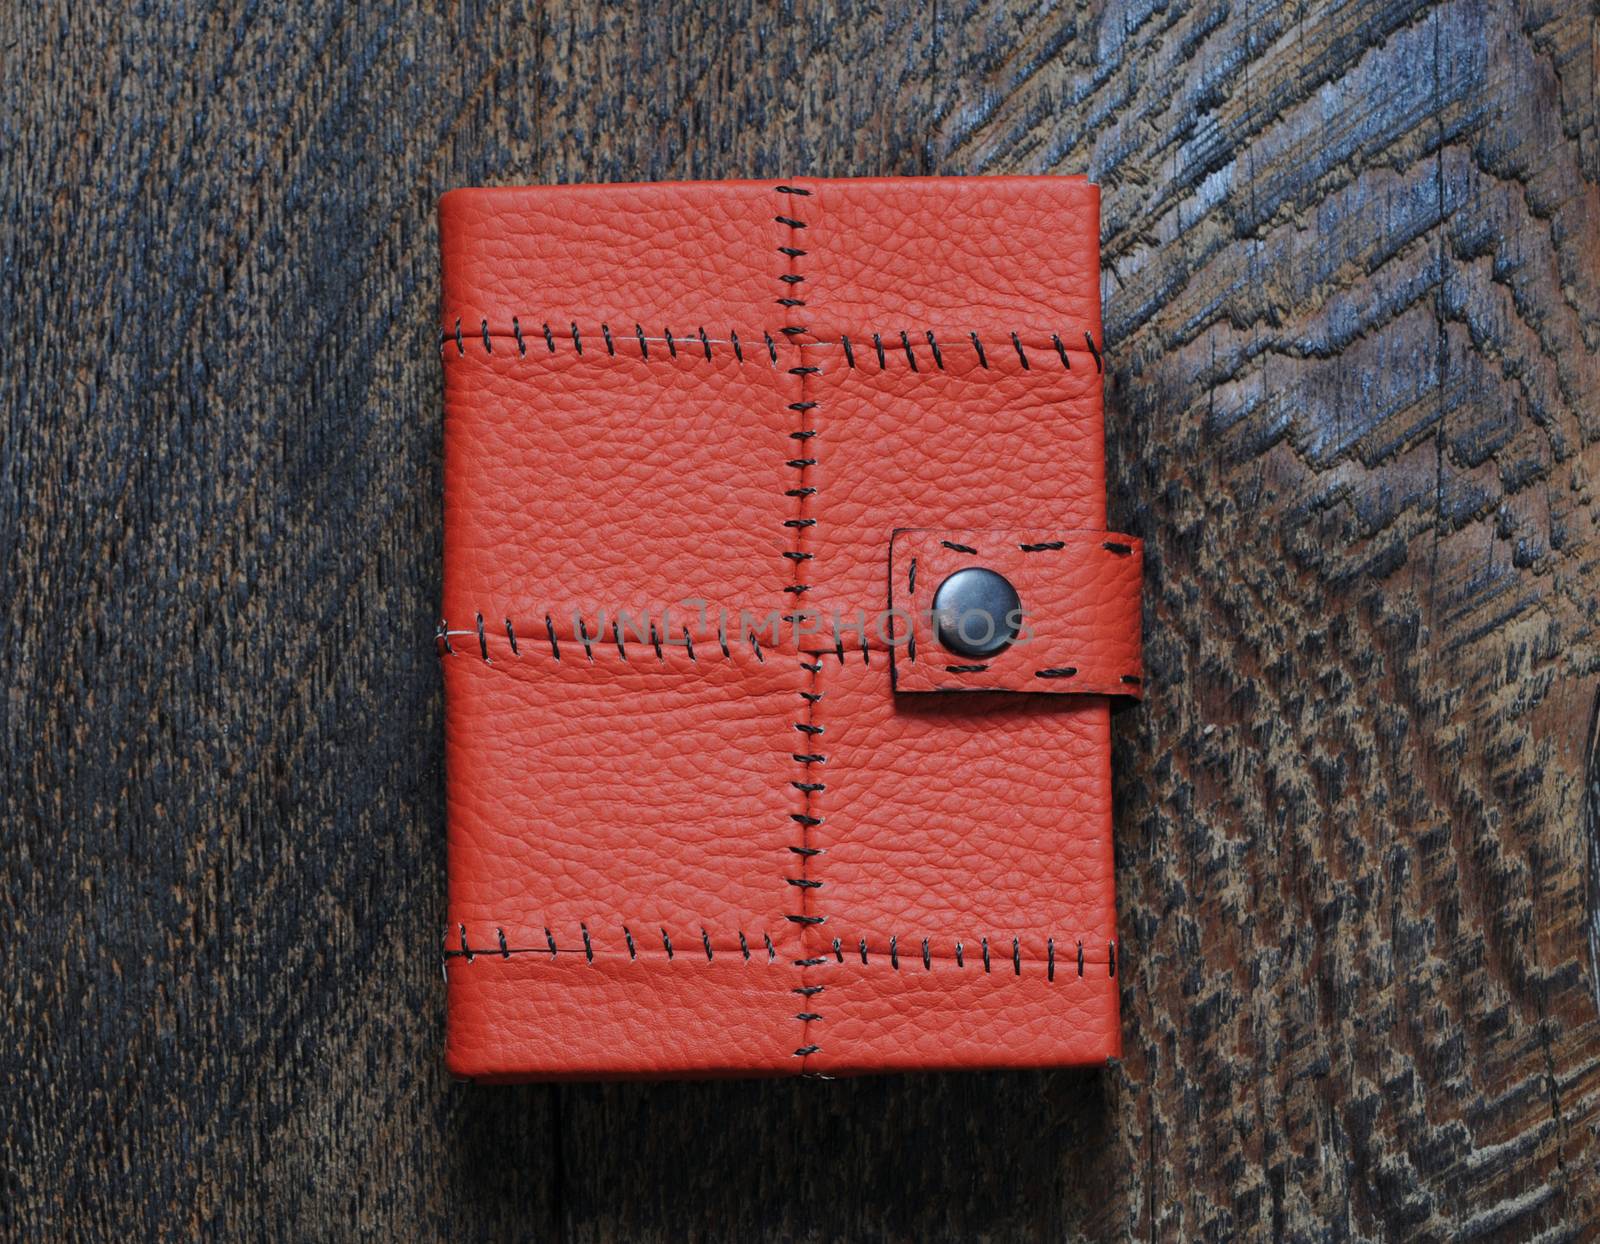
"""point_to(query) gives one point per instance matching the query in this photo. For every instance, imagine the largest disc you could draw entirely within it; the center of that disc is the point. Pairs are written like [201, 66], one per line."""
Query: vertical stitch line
[791, 215]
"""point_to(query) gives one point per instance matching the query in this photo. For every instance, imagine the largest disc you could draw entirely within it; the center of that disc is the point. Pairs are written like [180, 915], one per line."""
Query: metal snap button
[977, 612]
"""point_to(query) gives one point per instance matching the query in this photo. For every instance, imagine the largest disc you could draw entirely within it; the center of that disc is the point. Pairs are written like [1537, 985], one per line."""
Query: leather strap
[1080, 610]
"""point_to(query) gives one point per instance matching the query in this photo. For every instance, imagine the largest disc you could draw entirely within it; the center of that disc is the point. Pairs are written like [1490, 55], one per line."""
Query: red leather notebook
[733, 785]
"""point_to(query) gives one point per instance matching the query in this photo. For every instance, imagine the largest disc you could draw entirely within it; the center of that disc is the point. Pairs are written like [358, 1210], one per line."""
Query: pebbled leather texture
[693, 829]
[1080, 602]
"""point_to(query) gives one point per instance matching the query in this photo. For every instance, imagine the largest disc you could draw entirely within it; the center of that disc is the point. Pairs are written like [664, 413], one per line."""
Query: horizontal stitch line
[697, 345]
[694, 340]
[646, 940]
[878, 958]
[511, 643]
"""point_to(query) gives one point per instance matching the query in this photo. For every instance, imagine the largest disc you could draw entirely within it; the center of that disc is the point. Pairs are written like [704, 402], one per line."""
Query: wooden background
[1352, 282]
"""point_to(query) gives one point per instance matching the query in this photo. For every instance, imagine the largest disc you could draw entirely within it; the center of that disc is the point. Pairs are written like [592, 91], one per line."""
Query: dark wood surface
[1352, 279]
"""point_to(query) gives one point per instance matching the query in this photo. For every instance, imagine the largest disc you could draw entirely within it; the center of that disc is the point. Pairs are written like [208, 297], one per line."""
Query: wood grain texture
[1352, 281]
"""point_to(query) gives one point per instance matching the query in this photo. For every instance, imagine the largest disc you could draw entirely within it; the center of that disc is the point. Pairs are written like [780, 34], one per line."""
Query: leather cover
[699, 821]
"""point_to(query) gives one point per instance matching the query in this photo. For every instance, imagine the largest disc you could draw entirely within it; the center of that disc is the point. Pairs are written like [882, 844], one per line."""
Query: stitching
[556, 340]
[651, 639]
[860, 952]
[1116, 548]
[804, 886]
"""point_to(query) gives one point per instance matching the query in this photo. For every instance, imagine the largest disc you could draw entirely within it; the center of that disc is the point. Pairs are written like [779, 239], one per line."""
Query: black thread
[512, 636]
[1113, 546]
[550, 630]
[483, 642]
[792, 280]
[503, 948]
[959, 548]
[1063, 671]
[1046, 546]
[443, 633]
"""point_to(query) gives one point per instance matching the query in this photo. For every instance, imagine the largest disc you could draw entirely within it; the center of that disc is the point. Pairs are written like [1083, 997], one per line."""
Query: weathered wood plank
[1352, 277]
